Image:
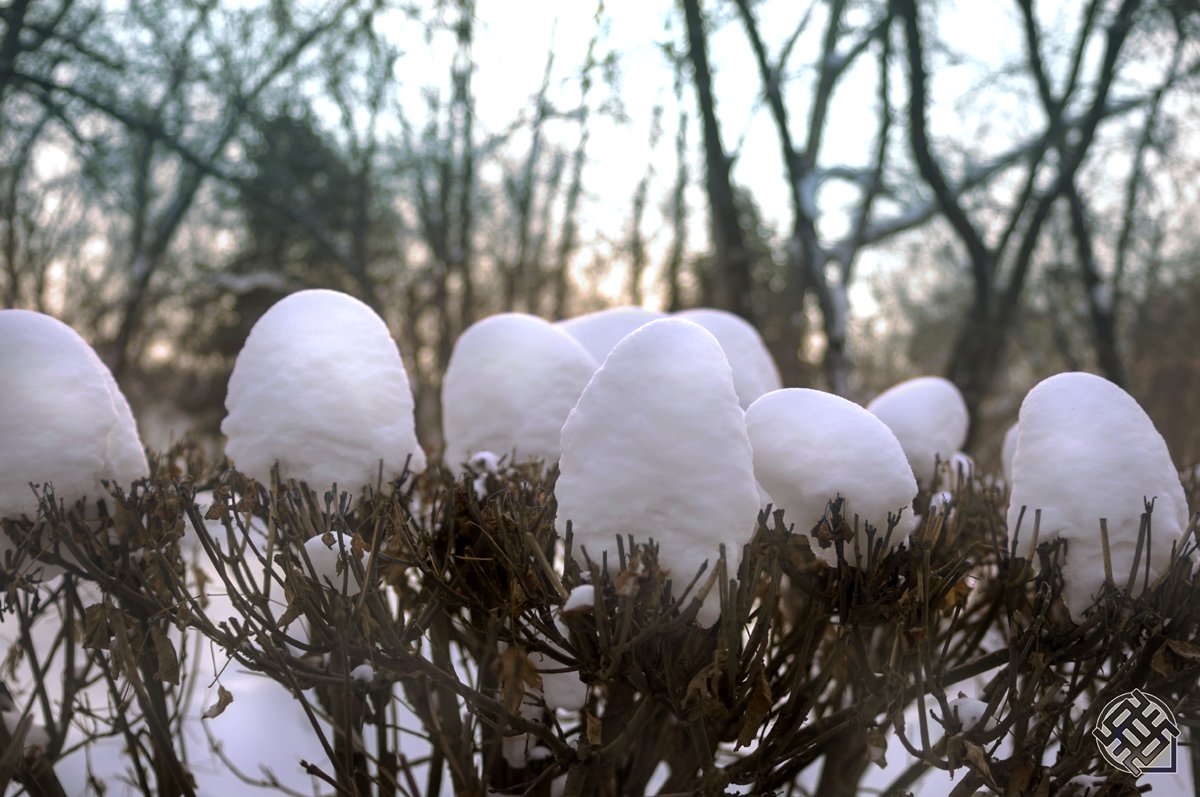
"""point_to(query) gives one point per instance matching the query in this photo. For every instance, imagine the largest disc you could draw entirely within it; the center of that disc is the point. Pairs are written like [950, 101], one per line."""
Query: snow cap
[1086, 450]
[811, 447]
[319, 387]
[1008, 451]
[929, 417]
[331, 565]
[754, 371]
[599, 332]
[65, 421]
[511, 382]
[657, 448]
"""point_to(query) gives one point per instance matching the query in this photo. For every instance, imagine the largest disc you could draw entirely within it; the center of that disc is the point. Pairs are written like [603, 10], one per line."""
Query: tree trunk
[733, 262]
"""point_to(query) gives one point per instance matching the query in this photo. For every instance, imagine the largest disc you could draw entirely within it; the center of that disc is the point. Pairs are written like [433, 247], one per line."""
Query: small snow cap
[811, 447]
[754, 370]
[511, 382]
[1086, 450]
[65, 421]
[330, 556]
[657, 448]
[929, 417]
[319, 387]
[600, 331]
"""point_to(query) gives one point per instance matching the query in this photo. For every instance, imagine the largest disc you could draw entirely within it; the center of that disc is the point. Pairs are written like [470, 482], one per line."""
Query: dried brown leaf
[595, 731]
[224, 698]
[166, 659]
[757, 708]
[877, 748]
[96, 629]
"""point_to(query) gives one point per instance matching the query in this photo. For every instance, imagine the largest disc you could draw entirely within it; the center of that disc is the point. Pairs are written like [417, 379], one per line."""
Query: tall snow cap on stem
[754, 370]
[929, 417]
[657, 448]
[65, 421]
[599, 332]
[1086, 450]
[811, 447]
[319, 388]
[511, 382]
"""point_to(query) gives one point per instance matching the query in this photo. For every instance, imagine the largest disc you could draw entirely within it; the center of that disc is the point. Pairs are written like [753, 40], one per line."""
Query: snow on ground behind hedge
[657, 446]
[319, 387]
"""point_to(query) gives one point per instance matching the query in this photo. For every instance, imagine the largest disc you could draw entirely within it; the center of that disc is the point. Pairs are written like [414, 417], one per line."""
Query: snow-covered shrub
[600, 331]
[657, 448]
[813, 448]
[511, 382]
[447, 634]
[929, 417]
[320, 390]
[754, 371]
[1086, 452]
[64, 420]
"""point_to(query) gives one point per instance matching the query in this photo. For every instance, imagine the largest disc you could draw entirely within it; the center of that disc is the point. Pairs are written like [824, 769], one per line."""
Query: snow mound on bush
[1007, 451]
[928, 417]
[599, 332]
[1086, 450]
[65, 421]
[319, 388]
[657, 448]
[811, 447]
[511, 382]
[754, 371]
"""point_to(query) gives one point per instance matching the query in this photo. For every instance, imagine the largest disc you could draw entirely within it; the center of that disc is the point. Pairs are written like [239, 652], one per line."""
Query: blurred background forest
[989, 191]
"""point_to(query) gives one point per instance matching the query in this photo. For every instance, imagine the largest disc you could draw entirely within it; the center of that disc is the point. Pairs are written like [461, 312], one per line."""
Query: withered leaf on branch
[96, 628]
[224, 698]
[167, 660]
[705, 685]
[1174, 657]
[757, 708]
[877, 748]
[978, 762]
[516, 673]
[595, 730]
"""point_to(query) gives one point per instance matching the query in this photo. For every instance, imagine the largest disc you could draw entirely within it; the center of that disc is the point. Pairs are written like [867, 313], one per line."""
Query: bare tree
[997, 291]
[733, 260]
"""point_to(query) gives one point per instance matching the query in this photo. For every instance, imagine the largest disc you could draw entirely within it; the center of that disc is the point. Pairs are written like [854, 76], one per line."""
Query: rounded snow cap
[65, 421]
[811, 447]
[929, 417]
[657, 448]
[511, 382]
[1086, 450]
[599, 332]
[330, 557]
[754, 371]
[319, 388]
